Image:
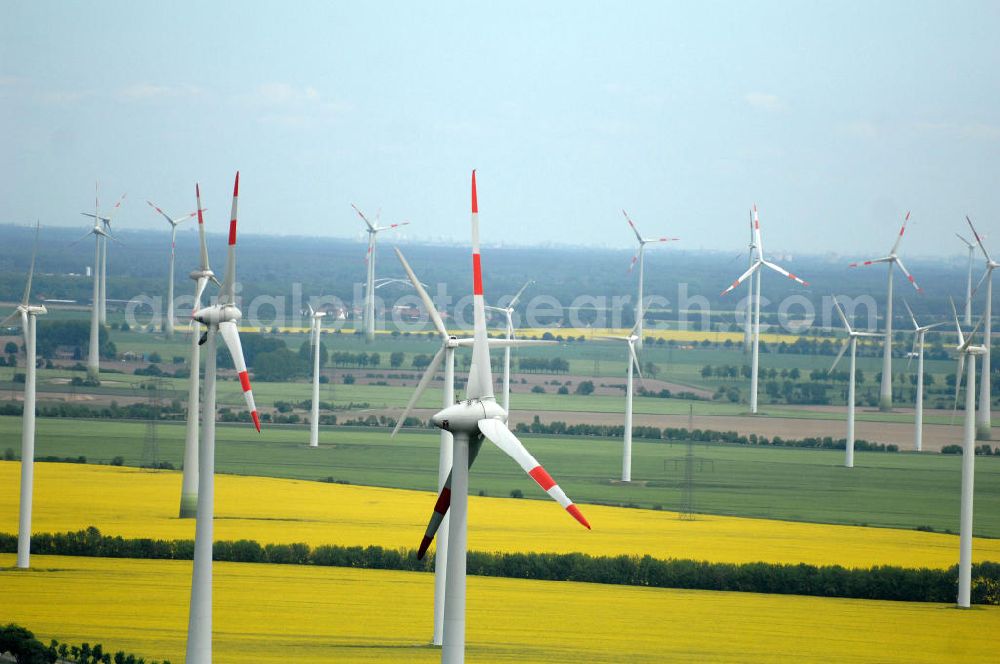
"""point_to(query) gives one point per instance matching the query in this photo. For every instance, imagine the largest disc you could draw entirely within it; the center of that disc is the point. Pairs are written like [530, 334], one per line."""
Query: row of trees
[22, 645]
[886, 583]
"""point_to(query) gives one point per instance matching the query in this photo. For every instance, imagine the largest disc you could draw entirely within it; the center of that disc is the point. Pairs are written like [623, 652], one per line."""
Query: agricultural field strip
[139, 503]
[279, 613]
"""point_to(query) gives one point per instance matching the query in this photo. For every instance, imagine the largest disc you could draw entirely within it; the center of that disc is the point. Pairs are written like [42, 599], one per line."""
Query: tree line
[880, 582]
[22, 645]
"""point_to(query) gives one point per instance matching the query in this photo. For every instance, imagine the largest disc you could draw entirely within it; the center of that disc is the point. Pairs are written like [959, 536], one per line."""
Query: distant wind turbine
[105, 222]
[983, 423]
[638, 258]
[508, 313]
[885, 393]
[169, 327]
[373, 229]
[755, 271]
[852, 342]
[27, 313]
[918, 350]
[632, 361]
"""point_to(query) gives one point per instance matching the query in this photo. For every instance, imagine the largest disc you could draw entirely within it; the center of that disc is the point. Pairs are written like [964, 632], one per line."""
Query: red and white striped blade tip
[424, 545]
[236, 185]
[576, 514]
[256, 419]
[475, 200]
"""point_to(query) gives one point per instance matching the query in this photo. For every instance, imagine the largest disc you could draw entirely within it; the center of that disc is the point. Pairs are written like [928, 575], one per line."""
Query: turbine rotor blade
[912, 317]
[783, 271]
[201, 229]
[480, 374]
[363, 217]
[424, 297]
[908, 275]
[498, 434]
[444, 501]
[232, 338]
[979, 241]
[899, 238]
[228, 294]
[986, 273]
[743, 277]
[843, 316]
[632, 226]
[843, 349]
[31, 270]
[514, 300]
[958, 328]
[425, 380]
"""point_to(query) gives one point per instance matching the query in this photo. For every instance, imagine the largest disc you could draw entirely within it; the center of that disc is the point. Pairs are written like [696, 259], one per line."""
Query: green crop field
[895, 490]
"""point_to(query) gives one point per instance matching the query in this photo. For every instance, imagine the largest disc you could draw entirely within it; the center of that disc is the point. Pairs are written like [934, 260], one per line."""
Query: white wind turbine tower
[632, 360]
[27, 313]
[755, 269]
[852, 342]
[638, 258]
[446, 353]
[169, 327]
[315, 325]
[373, 229]
[220, 318]
[469, 422]
[201, 277]
[105, 222]
[965, 348]
[885, 393]
[983, 423]
[968, 284]
[918, 350]
[508, 313]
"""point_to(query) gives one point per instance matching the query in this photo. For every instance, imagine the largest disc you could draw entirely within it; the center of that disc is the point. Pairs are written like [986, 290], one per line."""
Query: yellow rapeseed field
[288, 613]
[138, 503]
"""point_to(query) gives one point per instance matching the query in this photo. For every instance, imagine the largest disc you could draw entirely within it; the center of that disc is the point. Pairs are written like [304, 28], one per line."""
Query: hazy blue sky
[835, 117]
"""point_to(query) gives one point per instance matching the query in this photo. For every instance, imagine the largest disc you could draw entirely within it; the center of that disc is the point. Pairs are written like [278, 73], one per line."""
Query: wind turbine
[220, 318]
[968, 284]
[315, 324]
[105, 222]
[446, 353]
[965, 348]
[638, 258]
[169, 328]
[983, 423]
[508, 313]
[755, 270]
[633, 361]
[373, 230]
[918, 350]
[27, 313]
[851, 341]
[885, 393]
[93, 354]
[201, 277]
[469, 422]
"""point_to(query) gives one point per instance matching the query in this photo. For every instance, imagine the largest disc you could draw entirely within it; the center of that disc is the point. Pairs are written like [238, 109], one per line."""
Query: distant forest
[270, 265]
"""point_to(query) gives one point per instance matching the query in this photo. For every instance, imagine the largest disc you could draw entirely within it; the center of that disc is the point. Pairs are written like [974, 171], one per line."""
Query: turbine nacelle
[465, 416]
[218, 313]
[195, 275]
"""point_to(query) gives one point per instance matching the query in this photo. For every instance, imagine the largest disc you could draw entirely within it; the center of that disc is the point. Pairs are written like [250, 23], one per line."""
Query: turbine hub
[464, 416]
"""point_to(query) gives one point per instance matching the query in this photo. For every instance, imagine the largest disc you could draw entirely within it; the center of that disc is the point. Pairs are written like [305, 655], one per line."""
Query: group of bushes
[22, 645]
[889, 583]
